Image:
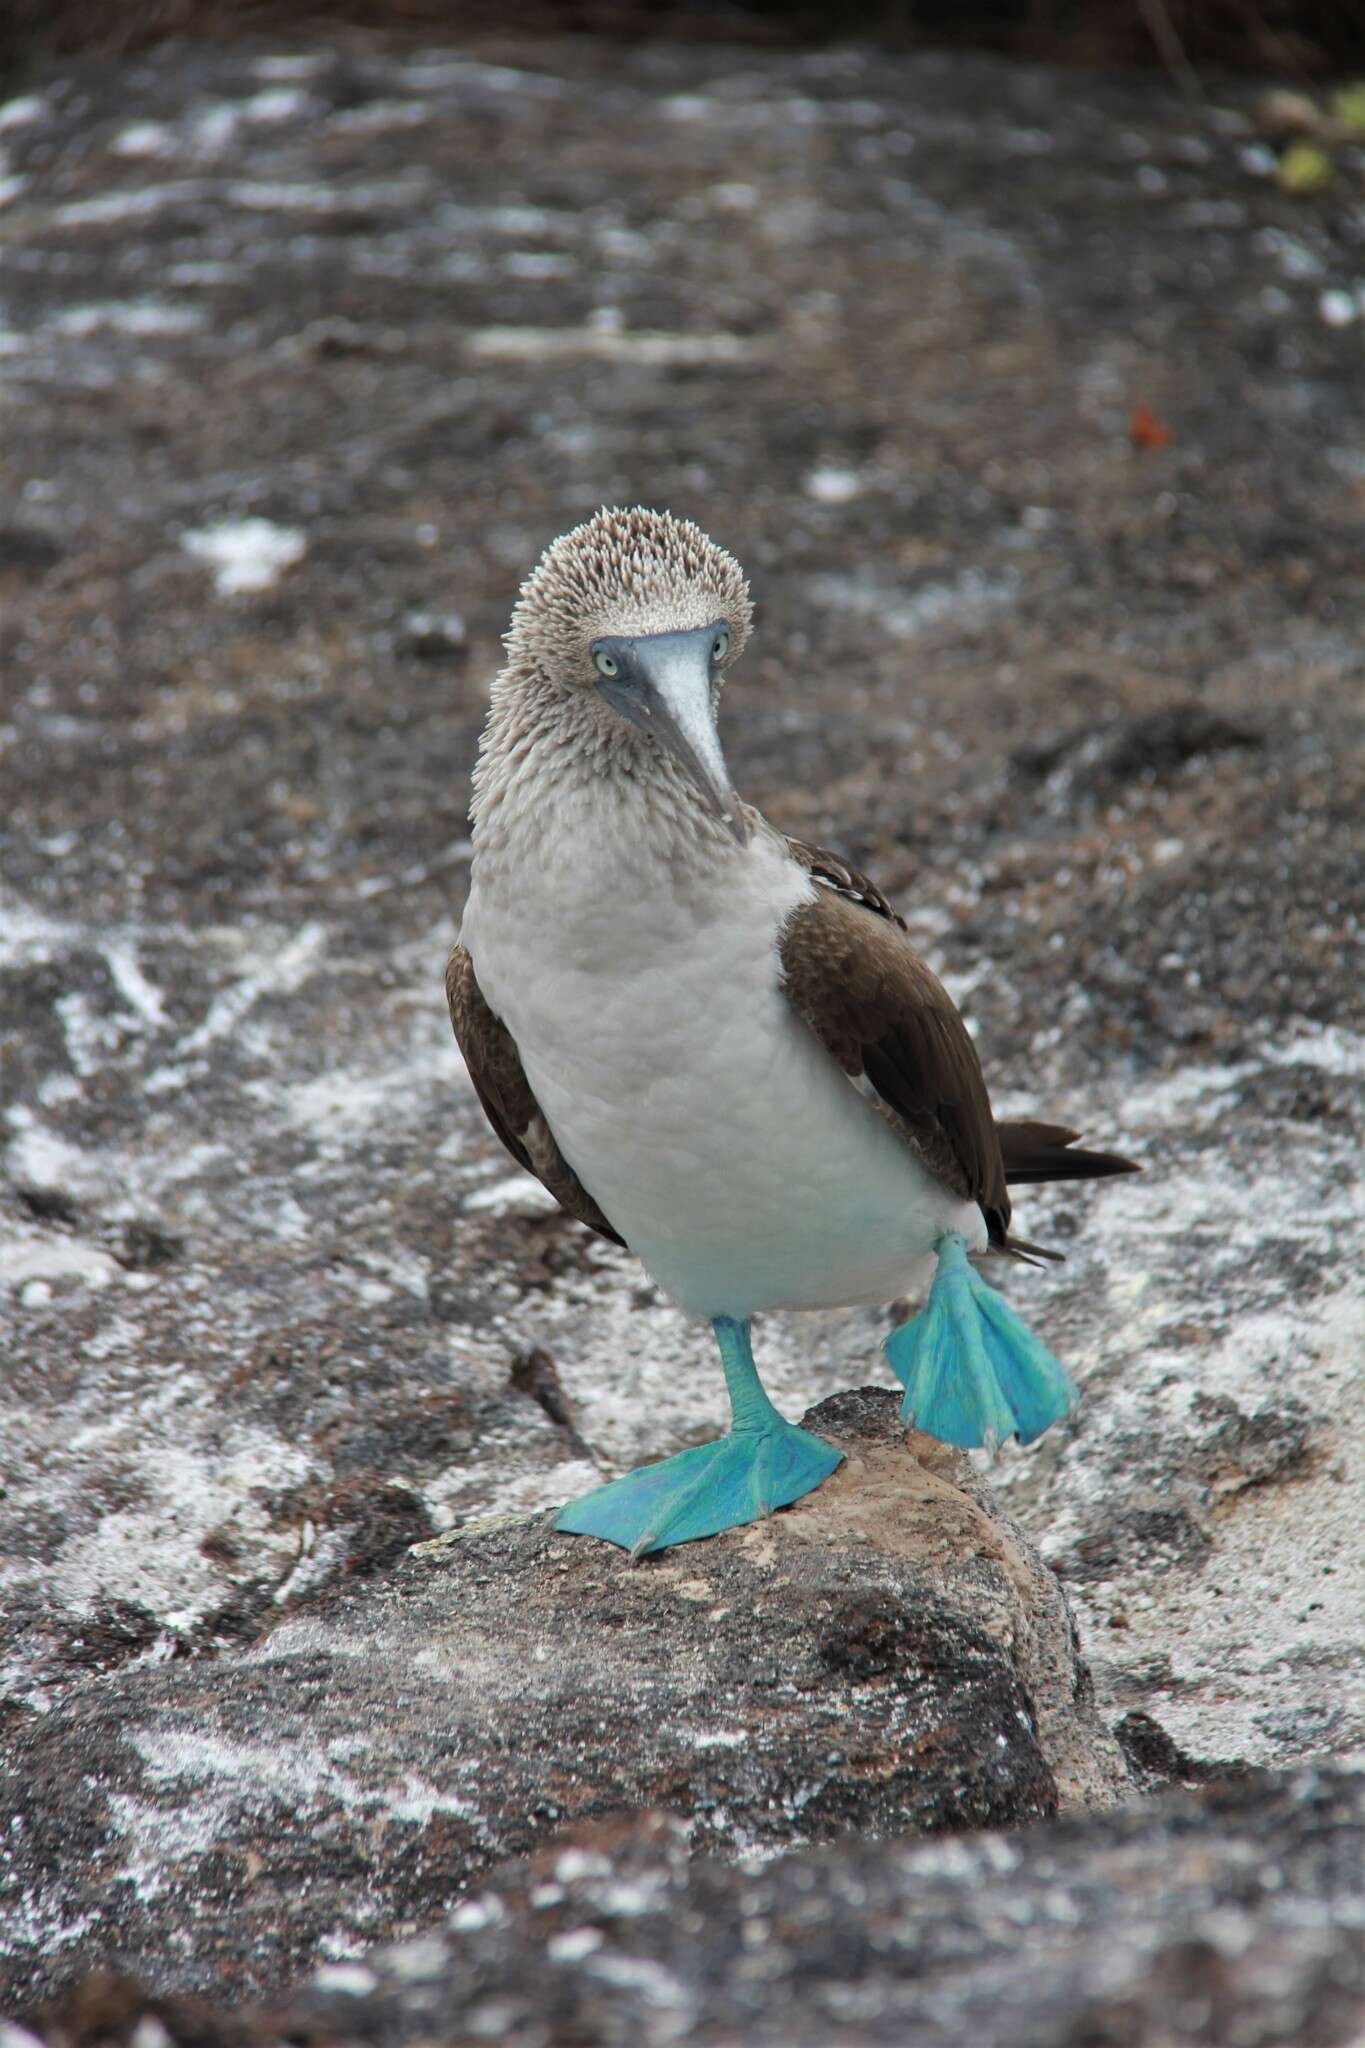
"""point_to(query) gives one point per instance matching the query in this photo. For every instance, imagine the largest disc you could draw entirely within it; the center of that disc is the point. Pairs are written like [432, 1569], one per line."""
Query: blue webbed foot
[702, 1491]
[764, 1463]
[973, 1373]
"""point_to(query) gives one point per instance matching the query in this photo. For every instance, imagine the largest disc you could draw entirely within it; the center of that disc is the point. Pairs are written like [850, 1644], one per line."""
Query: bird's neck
[556, 772]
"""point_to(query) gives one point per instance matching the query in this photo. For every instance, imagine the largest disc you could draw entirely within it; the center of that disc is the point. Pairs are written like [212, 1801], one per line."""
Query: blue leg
[972, 1373]
[764, 1463]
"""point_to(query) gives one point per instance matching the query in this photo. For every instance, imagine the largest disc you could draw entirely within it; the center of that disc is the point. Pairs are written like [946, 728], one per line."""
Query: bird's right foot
[700, 1492]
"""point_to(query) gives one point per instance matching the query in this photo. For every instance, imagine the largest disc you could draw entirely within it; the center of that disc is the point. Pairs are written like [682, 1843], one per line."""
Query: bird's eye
[720, 646]
[605, 664]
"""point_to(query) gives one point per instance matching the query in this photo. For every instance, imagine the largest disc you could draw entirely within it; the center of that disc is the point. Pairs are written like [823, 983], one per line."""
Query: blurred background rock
[1292, 38]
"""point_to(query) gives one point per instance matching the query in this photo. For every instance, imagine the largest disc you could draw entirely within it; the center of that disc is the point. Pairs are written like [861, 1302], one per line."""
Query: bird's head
[636, 615]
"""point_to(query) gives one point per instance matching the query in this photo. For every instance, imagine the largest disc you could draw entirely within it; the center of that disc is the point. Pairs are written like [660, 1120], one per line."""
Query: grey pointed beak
[663, 685]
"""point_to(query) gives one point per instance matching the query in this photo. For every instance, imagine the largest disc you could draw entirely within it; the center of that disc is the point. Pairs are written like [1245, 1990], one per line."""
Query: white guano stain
[144, 138]
[245, 555]
[607, 345]
[831, 485]
[143, 321]
[111, 208]
[902, 615]
[258, 195]
[132, 984]
[23, 112]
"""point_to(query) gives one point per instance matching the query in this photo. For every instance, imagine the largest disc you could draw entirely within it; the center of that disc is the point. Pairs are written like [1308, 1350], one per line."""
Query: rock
[273, 1307]
[1283, 115]
[27, 551]
[887, 1658]
[1155, 1761]
[1150, 748]
[1232, 1917]
[432, 637]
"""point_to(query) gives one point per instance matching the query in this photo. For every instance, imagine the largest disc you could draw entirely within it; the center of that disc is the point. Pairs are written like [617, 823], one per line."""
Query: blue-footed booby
[717, 1046]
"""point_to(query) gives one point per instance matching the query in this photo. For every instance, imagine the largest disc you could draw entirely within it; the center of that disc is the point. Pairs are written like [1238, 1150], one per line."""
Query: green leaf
[1304, 169]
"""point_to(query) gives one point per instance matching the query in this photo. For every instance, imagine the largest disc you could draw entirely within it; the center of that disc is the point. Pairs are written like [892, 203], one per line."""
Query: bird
[717, 1046]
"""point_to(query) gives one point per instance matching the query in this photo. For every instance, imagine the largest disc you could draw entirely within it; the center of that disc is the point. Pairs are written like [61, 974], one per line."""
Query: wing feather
[851, 972]
[495, 1068]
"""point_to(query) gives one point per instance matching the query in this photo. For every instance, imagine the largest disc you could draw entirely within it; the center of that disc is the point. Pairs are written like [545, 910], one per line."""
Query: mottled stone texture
[1035, 411]
[1225, 1920]
[888, 1657]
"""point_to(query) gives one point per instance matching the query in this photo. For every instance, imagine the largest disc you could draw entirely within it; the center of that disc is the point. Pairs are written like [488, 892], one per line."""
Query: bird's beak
[665, 688]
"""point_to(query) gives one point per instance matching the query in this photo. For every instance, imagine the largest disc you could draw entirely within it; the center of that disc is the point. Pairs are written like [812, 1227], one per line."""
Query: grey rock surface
[889, 1657]
[1234, 1921]
[304, 354]
[1227, 1920]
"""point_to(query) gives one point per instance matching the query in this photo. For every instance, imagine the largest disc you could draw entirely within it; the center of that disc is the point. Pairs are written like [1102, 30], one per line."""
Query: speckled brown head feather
[623, 571]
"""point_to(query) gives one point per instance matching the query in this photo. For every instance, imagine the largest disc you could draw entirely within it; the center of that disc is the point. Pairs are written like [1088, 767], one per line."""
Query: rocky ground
[1037, 414]
[889, 1659]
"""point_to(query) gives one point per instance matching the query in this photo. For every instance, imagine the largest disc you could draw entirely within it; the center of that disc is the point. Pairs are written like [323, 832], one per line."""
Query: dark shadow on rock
[1091, 762]
[1157, 1761]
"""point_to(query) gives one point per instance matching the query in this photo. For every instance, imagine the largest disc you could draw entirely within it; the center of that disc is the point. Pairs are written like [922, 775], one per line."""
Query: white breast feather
[644, 995]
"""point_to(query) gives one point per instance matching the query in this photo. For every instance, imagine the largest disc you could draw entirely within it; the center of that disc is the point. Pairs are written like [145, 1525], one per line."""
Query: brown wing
[495, 1068]
[837, 874]
[852, 974]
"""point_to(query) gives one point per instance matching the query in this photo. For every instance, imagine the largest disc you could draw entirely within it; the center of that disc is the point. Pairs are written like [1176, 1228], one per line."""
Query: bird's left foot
[973, 1373]
[700, 1492]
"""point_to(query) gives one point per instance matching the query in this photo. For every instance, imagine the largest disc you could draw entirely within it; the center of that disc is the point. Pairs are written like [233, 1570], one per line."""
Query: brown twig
[1170, 49]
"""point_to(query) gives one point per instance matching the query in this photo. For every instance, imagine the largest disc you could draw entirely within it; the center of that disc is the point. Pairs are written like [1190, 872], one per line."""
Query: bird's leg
[764, 1463]
[973, 1373]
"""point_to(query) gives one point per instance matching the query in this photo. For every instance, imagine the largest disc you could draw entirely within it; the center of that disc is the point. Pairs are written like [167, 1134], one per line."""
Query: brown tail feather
[1029, 1254]
[1036, 1151]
